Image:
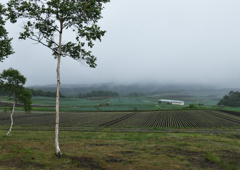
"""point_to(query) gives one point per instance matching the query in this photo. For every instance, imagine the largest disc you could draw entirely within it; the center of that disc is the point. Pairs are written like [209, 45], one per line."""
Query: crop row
[231, 113]
[66, 118]
[195, 119]
[180, 118]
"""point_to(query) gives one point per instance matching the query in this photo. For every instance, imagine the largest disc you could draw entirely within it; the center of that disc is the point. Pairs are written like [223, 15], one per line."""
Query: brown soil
[113, 159]
[127, 153]
[21, 164]
[231, 112]
[101, 144]
[2, 104]
[86, 162]
[195, 158]
[29, 115]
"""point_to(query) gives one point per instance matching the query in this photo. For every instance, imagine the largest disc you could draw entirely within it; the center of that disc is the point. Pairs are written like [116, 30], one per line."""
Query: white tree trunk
[11, 116]
[58, 152]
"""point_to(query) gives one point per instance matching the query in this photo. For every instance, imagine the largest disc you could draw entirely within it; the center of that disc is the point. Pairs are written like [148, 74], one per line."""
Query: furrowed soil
[111, 150]
[149, 119]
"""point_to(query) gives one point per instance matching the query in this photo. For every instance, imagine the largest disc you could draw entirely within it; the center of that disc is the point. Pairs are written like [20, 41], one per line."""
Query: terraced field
[178, 118]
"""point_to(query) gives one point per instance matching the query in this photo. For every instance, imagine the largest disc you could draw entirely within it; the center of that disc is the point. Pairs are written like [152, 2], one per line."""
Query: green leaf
[5, 42]
[70, 14]
[12, 82]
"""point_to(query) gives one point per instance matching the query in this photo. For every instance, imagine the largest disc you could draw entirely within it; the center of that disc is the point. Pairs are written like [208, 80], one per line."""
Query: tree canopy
[11, 82]
[44, 93]
[232, 99]
[5, 42]
[46, 18]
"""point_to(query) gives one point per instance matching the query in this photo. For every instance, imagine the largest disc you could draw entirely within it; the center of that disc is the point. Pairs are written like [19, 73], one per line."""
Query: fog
[160, 42]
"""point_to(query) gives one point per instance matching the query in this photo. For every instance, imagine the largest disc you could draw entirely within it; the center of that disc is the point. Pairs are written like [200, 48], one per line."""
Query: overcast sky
[157, 41]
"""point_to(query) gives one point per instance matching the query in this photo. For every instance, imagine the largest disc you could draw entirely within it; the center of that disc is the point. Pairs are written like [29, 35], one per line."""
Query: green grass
[235, 109]
[123, 103]
[209, 99]
[124, 150]
[211, 156]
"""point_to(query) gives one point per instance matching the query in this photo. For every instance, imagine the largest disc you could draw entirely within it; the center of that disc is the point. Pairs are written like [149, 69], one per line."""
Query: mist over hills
[75, 89]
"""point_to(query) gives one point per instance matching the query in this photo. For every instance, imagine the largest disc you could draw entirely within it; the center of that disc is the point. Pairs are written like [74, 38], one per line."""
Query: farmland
[151, 119]
[209, 99]
[99, 138]
[75, 104]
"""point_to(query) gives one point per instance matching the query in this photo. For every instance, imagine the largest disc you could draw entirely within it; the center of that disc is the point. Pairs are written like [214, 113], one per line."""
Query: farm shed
[177, 102]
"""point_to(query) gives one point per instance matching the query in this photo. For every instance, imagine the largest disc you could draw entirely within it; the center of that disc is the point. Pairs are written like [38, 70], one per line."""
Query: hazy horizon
[191, 86]
[162, 42]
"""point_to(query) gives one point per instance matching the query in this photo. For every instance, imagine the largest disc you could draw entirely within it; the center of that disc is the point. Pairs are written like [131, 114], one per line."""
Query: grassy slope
[121, 150]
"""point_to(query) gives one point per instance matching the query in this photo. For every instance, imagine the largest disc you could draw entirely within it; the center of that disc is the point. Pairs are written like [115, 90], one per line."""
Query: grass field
[122, 140]
[119, 151]
[235, 109]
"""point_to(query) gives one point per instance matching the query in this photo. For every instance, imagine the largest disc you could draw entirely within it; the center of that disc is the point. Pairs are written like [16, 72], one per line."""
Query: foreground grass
[118, 150]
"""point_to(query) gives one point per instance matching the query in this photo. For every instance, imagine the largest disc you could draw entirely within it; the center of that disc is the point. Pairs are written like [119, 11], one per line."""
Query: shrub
[192, 106]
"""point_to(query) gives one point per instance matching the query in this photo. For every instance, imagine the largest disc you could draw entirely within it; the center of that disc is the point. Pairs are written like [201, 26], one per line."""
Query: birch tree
[47, 18]
[11, 82]
[5, 42]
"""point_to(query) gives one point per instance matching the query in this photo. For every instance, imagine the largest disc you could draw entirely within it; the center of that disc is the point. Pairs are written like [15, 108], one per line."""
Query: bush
[157, 107]
[192, 106]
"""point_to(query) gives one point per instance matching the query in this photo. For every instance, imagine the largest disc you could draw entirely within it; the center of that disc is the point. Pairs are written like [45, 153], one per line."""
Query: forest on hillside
[99, 93]
[74, 90]
[44, 93]
[232, 99]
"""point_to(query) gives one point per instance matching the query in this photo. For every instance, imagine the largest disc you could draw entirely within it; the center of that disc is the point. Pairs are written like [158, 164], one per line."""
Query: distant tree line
[135, 94]
[44, 93]
[232, 99]
[121, 89]
[99, 93]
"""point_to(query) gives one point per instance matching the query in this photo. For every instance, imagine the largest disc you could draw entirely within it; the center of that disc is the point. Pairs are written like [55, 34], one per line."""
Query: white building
[177, 102]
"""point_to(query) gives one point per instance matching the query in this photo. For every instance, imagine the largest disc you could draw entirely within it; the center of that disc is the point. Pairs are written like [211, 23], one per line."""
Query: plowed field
[178, 118]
